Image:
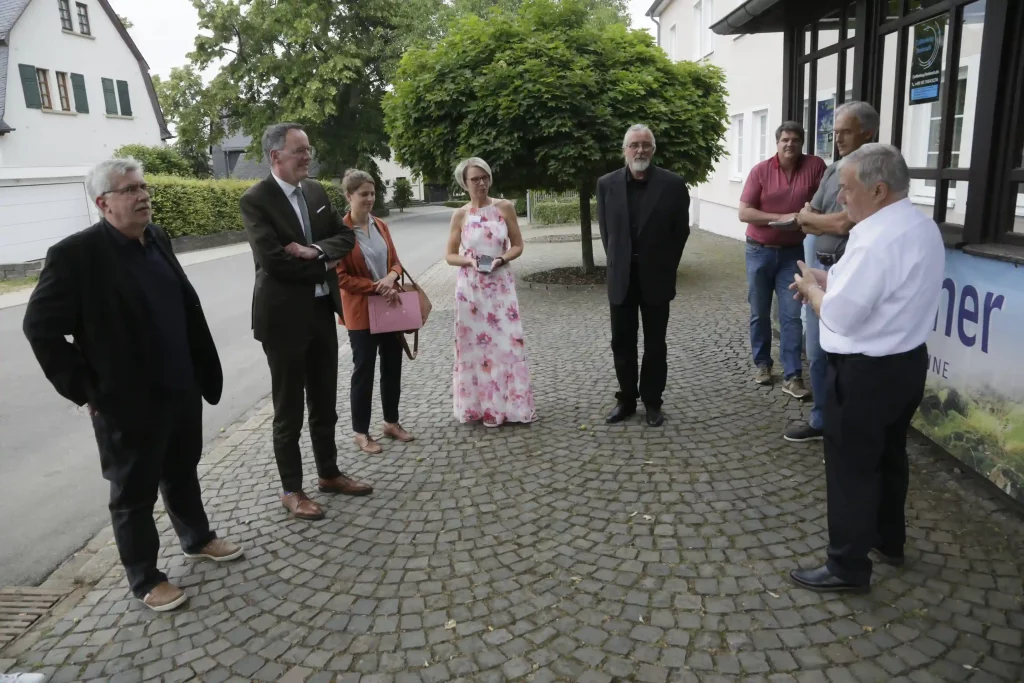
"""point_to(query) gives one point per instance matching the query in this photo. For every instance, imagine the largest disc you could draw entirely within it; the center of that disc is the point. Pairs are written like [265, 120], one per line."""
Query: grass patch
[14, 285]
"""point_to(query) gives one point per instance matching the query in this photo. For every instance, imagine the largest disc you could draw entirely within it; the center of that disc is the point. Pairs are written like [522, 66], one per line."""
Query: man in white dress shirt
[875, 307]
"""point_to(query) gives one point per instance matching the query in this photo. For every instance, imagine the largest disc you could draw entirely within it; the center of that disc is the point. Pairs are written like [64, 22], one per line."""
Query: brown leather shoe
[301, 506]
[367, 444]
[396, 432]
[342, 484]
[164, 597]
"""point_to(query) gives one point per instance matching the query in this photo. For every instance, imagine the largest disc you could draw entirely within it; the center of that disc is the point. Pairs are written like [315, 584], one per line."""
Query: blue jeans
[816, 360]
[771, 271]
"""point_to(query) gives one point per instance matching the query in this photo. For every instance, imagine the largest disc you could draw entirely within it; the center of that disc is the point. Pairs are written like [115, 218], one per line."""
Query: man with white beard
[643, 213]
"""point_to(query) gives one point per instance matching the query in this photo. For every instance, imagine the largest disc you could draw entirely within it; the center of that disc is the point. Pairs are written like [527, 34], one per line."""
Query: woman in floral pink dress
[492, 378]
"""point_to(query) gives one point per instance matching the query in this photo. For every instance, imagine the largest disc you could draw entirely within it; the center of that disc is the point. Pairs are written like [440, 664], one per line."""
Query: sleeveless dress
[491, 378]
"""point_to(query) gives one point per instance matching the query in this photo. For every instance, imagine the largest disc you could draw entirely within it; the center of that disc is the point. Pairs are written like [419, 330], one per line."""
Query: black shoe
[822, 580]
[891, 560]
[803, 433]
[621, 411]
[654, 417]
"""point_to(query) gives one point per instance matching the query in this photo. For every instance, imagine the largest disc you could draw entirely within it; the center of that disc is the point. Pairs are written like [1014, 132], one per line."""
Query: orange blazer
[356, 282]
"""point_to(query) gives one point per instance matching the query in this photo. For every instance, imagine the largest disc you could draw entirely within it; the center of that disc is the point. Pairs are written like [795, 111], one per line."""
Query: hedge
[186, 206]
[520, 203]
[553, 213]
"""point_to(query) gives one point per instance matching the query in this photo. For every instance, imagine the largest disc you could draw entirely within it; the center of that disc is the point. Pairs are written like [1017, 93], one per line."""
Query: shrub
[157, 159]
[403, 193]
[552, 213]
[187, 206]
[454, 204]
[520, 206]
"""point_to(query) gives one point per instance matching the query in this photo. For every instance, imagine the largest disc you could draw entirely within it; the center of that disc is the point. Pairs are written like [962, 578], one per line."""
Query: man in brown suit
[297, 238]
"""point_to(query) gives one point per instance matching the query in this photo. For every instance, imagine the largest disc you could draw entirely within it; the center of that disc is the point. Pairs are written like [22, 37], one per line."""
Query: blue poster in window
[926, 62]
[823, 129]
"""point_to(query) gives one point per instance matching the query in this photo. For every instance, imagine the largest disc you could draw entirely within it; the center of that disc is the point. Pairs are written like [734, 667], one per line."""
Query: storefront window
[825, 107]
[828, 30]
[851, 20]
[888, 85]
[893, 10]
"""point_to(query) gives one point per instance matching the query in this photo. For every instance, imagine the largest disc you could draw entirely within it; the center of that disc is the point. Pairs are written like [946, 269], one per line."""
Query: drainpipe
[658, 24]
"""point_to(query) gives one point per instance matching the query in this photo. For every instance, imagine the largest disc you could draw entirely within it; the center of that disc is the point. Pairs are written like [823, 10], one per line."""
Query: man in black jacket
[142, 359]
[297, 238]
[643, 214]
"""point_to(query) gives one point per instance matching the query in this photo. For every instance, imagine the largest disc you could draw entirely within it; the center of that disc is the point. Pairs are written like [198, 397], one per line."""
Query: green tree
[545, 97]
[403, 194]
[190, 108]
[323, 63]
[125, 22]
[157, 159]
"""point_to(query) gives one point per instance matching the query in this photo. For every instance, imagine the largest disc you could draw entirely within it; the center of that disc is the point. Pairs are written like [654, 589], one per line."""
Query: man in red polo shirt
[776, 190]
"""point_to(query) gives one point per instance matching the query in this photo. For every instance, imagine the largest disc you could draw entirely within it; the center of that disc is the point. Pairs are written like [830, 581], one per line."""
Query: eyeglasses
[640, 145]
[129, 190]
[480, 180]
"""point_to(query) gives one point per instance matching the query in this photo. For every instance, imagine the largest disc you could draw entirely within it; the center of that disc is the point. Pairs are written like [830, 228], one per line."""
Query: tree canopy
[545, 95]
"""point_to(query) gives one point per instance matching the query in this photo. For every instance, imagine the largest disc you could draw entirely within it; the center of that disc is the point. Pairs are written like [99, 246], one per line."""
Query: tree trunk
[585, 231]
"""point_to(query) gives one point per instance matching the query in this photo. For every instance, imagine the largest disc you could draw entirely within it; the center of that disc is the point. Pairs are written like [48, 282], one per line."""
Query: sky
[165, 30]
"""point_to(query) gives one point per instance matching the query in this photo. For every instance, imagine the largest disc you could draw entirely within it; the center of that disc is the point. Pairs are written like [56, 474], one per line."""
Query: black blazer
[283, 295]
[664, 229]
[86, 291]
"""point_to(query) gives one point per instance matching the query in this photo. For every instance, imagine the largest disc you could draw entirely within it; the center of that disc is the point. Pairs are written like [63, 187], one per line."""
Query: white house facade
[74, 87]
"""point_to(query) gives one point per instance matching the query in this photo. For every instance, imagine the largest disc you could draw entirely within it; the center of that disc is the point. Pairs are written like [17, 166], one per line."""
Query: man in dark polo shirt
[827, 226]
[776, 189]
[142, 358]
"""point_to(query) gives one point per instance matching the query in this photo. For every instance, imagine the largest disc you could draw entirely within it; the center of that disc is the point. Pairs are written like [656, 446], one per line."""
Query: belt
[751, 240]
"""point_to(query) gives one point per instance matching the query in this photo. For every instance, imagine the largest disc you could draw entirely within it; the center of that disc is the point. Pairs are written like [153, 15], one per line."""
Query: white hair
[103, 177]
[863, 112]
[460, 170]
[880, 163]
[636, 127]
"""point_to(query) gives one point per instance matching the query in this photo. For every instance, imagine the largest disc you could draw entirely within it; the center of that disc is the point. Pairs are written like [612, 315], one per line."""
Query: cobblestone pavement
[566, 550]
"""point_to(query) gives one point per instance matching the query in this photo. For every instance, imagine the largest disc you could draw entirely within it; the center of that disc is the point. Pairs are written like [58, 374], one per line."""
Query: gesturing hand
[386, 284]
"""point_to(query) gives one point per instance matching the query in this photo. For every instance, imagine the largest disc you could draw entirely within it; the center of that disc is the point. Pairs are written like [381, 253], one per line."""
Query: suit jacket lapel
[654, 188]
[283, 205]
[619, 200]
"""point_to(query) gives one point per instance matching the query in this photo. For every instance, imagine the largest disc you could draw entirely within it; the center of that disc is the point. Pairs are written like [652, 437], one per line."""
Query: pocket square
[321, 208]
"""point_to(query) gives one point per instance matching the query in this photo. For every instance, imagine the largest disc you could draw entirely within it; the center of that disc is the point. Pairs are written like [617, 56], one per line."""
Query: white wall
[753, 71]
[54, 141]
[391, 171]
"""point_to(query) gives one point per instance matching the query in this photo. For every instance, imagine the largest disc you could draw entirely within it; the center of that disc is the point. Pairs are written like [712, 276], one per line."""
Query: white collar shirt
[289, 192]
[882, 296]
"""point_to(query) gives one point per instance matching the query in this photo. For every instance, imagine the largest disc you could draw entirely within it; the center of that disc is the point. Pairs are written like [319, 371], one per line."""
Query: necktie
[304, 211]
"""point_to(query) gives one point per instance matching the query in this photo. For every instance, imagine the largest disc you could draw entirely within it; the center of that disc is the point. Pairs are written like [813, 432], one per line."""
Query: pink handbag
[402, 316]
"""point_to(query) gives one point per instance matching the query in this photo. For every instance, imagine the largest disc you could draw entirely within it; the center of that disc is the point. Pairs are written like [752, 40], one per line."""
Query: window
[761, 135]
[670, 49]
[81, 97]
[62, 91]
[703, 36]
[737, 146]
[934, 126]
[43, 80]
[65, 15]
[83, 19]
[114, 94]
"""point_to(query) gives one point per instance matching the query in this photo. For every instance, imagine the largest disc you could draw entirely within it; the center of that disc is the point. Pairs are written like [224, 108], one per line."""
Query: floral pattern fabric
[491, 378]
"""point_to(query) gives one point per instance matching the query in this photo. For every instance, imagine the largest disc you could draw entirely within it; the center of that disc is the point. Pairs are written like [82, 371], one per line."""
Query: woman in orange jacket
[371, 268]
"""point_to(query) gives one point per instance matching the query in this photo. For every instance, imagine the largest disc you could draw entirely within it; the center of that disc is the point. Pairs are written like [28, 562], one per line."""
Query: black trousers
[306, 364]
[139, 460]
[625, 324]
[869, 403]
[365, 349]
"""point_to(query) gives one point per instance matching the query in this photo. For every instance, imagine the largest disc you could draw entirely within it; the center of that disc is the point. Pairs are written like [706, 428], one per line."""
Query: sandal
[367, 444]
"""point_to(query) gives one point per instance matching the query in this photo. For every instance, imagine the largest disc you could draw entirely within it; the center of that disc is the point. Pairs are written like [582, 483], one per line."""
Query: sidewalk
[567, 550]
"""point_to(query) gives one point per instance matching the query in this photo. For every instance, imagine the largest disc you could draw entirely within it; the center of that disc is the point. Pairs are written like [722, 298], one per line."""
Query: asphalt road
[52, 496]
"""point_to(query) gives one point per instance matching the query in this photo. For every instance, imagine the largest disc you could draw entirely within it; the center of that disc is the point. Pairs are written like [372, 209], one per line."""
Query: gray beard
[639, 166]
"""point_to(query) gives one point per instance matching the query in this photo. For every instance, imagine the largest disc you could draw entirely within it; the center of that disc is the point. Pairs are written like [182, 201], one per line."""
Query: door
[34, 217]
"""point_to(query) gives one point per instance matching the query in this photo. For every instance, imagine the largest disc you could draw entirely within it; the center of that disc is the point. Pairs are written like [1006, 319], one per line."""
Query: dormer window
[65, 15]
[83, 19]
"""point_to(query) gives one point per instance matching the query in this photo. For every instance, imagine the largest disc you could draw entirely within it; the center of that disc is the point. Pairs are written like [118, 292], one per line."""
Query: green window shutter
[31, 86]
[122, 95]
[81, 98]
[109, 98]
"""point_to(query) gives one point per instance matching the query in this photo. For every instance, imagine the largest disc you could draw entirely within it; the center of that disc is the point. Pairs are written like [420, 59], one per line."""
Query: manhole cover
[22, 607]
